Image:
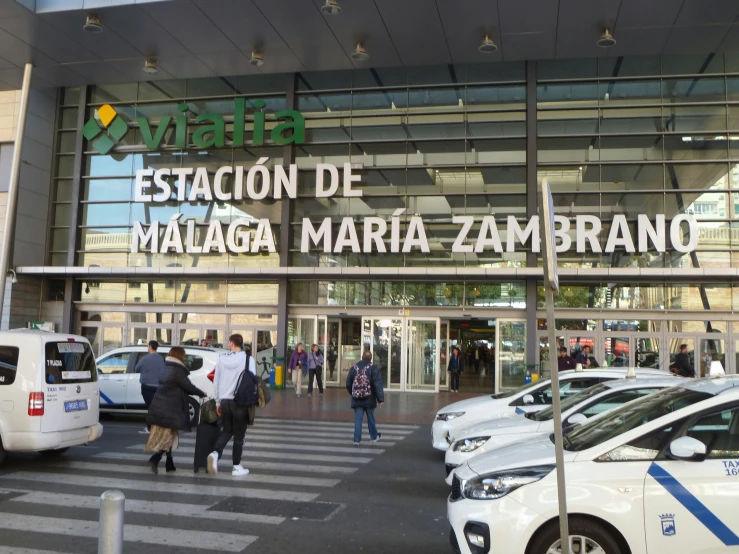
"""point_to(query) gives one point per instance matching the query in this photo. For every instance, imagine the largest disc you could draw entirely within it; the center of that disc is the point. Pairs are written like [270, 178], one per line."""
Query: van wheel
[586, 536]
[53, 453]
[194, 410]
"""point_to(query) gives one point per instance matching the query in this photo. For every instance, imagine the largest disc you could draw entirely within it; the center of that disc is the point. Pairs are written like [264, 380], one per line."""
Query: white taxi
[576, 410]
[657, 475]
[529, 398]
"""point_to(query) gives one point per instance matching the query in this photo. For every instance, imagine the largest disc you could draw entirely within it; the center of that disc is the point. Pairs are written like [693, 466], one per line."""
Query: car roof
[614, 371]
[714, 385]
[144, 347]
[642, 382]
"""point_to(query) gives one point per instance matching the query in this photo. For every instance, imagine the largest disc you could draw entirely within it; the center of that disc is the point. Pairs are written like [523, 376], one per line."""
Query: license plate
[75, 406]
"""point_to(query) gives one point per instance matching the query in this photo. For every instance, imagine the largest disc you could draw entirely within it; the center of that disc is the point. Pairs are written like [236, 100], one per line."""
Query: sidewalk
[335, 405]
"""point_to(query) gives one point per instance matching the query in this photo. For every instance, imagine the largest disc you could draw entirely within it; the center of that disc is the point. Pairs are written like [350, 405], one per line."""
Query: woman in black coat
[170, 410]
[455, 368]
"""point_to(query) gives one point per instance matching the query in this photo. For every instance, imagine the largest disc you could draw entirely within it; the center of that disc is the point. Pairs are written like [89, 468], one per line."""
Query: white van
[49, 397]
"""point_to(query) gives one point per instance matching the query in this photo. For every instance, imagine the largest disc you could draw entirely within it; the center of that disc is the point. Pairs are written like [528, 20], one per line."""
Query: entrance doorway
[476, 340]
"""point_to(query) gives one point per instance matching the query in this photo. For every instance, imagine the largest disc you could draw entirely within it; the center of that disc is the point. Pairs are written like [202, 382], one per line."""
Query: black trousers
[317, 372]
[235, 420]
[454, 381]
[148, 392]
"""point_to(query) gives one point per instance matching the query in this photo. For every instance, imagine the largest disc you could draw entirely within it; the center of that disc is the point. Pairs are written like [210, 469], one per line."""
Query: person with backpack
[315, 368]
[364, 383]
[230, 369]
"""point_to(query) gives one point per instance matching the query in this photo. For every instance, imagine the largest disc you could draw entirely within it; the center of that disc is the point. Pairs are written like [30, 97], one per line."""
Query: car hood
[468, 404]
[538, 450]
[504, 425]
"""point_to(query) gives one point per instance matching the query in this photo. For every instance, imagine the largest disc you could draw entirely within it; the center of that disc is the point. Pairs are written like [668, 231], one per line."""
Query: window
[117, 363]
[566, 388]
[70, 363]
[8, 364]
[615, 400]
[644, 448]
[193, 362]
[719, 432]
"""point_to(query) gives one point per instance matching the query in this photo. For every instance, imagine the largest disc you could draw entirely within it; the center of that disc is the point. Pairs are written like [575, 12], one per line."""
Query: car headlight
[470, 445]
[497, 485]
[448, 416]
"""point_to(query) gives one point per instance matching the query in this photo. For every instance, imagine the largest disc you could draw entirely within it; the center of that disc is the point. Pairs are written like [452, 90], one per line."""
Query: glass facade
[615, 139]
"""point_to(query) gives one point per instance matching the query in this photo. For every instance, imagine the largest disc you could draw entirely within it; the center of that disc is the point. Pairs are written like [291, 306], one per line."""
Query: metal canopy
[207, 38]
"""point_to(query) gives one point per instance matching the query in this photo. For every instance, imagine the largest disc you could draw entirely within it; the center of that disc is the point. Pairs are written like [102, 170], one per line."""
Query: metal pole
[558, 441]
[15, 171]
[110, 540]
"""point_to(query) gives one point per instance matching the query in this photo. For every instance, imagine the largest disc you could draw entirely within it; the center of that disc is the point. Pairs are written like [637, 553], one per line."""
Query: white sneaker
[144, 431]
[239, 470]
[213, 463]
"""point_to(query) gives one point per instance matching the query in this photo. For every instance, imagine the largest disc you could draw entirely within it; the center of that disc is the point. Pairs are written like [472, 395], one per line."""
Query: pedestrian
[298, 367]
[149, 368]
[315, 367]
[583, 357]
[477, 355]
[170, 409]
[565, 361]
[234, 418]
[364, 383]
[204, 343]
[682, 366]
[455, 368]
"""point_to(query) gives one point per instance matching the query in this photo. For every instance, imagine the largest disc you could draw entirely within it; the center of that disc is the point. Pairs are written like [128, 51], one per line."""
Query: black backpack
[247, 388]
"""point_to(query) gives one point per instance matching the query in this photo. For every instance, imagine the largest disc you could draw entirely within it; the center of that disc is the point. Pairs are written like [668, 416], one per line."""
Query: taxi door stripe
[693, 505]
[104, 397]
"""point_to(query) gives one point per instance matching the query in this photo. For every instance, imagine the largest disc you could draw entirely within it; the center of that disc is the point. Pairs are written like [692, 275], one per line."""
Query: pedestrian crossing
[291, 464]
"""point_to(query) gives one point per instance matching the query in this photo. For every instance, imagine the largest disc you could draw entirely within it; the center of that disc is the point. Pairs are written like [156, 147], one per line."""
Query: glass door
[510, 354]
[422, 354]
[383, 337]
[444, 356]
[712, 349]
[576, 341]
[332, 352]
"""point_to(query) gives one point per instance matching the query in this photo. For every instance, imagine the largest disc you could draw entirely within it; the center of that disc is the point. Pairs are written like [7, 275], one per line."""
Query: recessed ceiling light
[606, 40]
[150, 66]
[257, 59]
[360, 54]
[331, 7]
[487, 46]
[92, 24]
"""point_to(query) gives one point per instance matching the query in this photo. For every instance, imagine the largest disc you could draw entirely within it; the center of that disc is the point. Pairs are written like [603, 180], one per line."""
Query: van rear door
[72, 400]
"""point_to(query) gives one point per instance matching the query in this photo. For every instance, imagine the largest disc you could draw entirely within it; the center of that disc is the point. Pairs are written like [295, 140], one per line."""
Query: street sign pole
[551, 286]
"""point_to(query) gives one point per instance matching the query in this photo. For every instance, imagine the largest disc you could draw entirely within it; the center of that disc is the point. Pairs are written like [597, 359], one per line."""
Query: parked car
[120, 390]
[655, 475]
[528, 398]
[576, 410]
[48, 392]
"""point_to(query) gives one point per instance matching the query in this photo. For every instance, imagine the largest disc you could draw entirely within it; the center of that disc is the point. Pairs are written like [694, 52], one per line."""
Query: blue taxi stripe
[520, 411]
[108, 400]
[693, 505]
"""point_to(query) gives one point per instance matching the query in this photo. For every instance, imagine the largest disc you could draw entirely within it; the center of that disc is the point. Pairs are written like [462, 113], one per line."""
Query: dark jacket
[149, 369]
[682, 365]
[566, 362]
[460, 364]
[375, 378]
[170, 407]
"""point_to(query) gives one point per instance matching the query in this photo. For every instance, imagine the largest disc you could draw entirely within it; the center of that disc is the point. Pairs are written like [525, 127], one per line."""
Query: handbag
[265, 395]
[209, 411]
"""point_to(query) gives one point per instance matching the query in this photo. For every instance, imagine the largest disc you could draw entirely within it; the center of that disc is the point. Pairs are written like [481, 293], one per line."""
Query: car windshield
[548, 413]
[514, 392]
[631, 416]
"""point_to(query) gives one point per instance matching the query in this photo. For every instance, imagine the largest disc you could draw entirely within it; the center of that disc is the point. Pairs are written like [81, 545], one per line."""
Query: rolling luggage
[205, 440]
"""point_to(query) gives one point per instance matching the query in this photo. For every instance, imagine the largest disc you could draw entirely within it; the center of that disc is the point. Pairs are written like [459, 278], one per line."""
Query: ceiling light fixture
[331, 7]
[256, 59]
[360, 54]
[487, 46]
[606, 40]
[150, 66]
[92, 24]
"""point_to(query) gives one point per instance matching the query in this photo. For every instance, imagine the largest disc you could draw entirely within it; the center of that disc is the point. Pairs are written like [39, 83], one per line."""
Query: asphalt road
[309, 490]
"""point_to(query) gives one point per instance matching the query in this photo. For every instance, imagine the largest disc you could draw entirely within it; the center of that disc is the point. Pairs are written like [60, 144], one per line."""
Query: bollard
[110, 540]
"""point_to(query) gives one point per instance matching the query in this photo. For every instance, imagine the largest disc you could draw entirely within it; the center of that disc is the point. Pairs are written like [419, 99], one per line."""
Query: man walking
[583, 357]
[364, 383]
[229, 368]
[565, 361]
[149, 368]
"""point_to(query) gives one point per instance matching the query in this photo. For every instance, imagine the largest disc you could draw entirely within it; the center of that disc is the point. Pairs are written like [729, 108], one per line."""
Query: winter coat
[375, 379]
[170, 408]
[295, 358]
[149, 369]
[460, 365]
[315, 359]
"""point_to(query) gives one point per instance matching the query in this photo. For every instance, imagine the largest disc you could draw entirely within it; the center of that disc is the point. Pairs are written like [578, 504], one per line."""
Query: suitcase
[206, 435]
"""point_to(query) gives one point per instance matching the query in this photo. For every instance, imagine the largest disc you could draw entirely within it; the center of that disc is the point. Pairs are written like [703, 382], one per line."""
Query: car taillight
[212, 375]
[36, 404]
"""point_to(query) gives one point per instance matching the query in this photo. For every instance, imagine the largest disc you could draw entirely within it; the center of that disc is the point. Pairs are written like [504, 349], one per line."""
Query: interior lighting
[257, 59]
[331, 7]
[92, 24]
[150, 66]
[606, 40]
[360, 54]
[487, 46]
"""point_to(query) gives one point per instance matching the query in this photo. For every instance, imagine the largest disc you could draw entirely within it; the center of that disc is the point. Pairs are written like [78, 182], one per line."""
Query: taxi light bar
[36, 404]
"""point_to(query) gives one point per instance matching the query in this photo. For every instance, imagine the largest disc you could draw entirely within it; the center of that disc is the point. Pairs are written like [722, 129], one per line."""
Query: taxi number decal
[731, 468]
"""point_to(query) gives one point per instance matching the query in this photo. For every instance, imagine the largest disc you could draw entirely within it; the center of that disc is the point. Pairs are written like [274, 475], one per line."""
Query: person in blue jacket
[365, 400]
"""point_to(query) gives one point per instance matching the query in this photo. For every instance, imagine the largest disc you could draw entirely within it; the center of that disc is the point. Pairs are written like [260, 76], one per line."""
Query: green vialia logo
[104, 138]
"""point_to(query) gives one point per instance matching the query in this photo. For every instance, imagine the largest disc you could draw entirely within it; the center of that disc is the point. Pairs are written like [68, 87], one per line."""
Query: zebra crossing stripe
[251, 464]
[145, 507]
[163, 485]
[164, 536]
[344, 435]
[403, 426]
[327, 425]
[270, 445]
[16, 550]
[299, 440]
[251, 478]
[263, 454]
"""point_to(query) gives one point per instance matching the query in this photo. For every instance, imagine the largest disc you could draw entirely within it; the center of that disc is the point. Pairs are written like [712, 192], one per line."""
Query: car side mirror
[688, 449]
[577, 419]
[528, 399]
[100, 371]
